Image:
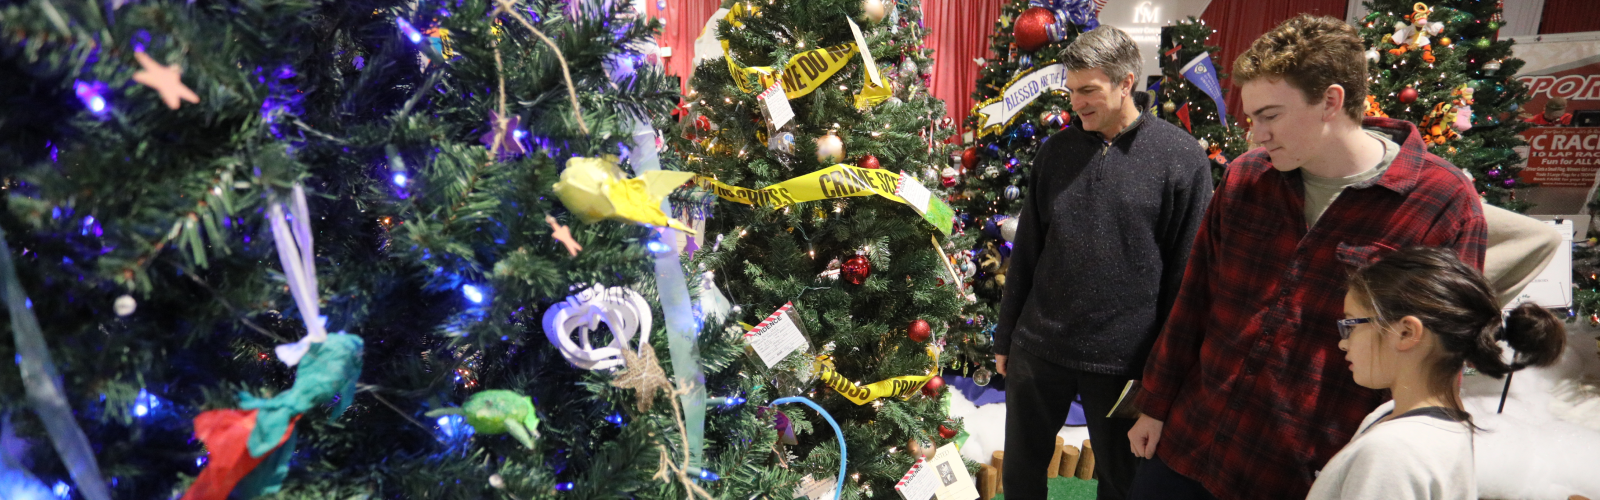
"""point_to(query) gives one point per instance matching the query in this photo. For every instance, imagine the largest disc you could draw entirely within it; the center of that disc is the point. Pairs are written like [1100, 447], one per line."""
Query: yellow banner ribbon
[898, 387]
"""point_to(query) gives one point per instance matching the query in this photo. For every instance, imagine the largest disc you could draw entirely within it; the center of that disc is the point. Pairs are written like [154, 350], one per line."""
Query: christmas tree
[402, 187]
[1009, 124]
[1439, 65]
[1184, 104]
[816, 133]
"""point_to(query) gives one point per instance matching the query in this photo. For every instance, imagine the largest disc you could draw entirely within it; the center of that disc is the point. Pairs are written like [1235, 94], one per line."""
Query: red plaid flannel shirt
[1247, 374]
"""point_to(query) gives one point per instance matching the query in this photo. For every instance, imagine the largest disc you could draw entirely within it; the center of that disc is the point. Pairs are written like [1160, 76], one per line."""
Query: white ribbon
[300, 269]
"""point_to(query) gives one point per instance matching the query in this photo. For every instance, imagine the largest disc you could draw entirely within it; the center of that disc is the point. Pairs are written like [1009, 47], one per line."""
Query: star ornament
[564, 235]
[165, 80]
[504, 131]
[644, 376]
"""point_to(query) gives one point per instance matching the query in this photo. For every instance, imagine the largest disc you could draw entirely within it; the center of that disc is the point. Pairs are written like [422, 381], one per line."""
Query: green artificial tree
[867, 283]
[427, 137]
[993, 169]
[1184, 104]
[1461, 65]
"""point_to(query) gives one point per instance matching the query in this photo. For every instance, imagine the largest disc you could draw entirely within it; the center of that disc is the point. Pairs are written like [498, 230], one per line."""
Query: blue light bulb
[656, 247]
[472, 293]
[567, 486]
[410, 31]
[62, 490]
[400, 180]
[615, 419]
[708, 475]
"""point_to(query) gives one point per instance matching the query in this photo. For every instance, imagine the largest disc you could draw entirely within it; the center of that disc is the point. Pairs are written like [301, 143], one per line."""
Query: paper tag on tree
[812, 489]
[775, 105]
[777, 336]
[935, 210]
[942, 478]
[866, 55]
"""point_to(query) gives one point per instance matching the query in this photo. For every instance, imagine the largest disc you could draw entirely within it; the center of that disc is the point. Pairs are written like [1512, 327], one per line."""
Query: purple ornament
[509, 143]
[1511, 182]
[1494, 173]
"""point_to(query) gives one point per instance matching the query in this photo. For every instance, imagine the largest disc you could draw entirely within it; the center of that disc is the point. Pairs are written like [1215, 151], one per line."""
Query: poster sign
[1562, 156]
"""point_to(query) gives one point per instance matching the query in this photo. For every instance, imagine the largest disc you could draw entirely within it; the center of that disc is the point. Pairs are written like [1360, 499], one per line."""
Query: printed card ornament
[498, 412]
[596, 189]
[1413, 33]
[623, 311]
[779, 335]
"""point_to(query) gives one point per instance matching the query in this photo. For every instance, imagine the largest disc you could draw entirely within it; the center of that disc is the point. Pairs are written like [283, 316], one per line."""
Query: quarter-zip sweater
[1101, 244]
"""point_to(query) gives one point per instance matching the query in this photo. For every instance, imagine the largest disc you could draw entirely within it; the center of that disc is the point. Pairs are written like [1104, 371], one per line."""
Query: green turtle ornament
[498, 412]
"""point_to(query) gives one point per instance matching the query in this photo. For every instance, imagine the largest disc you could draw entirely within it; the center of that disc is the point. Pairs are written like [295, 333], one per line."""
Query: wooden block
[1069, 461]
[1577, 497]
[988, 481]
[1055, 458]
[1086, 462]
[998, 460]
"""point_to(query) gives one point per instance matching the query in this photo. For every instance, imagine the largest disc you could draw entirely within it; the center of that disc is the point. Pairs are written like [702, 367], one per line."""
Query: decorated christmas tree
[1185, 103]
[357, 250]
[814, 132]
[1439, 65]
[1021, 101]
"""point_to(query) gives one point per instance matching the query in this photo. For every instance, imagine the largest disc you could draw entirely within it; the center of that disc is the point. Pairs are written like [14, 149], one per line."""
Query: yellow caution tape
[838, 181]
[899, 387]
[804, 73]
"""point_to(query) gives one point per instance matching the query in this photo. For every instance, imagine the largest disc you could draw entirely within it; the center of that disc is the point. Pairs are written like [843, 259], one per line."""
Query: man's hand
[1144, 436]
[1000, 363]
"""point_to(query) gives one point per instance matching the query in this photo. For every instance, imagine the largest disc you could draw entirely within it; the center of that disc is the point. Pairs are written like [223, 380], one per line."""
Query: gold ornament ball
[1444, 41]
[875, 10]
[1168, 107]
[830, 149]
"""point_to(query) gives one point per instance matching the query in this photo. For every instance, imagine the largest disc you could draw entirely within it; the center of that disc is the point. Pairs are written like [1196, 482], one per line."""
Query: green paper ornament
[499, 412]
[1482, 43]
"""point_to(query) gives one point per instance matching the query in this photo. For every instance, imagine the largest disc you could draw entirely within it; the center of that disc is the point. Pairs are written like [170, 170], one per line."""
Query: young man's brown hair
[1311, 53]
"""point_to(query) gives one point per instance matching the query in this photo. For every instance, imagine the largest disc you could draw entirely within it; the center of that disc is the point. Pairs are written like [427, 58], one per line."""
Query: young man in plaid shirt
[1246, 394]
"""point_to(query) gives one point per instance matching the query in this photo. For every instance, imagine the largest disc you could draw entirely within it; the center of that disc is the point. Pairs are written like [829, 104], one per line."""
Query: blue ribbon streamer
[844, 455]
[43, 385]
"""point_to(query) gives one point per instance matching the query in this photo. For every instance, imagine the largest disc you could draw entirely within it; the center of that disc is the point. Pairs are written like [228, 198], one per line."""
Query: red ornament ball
[1408, 95]
[946, 432]
[855, 269]
[1031, 30]
[931, 389]
[919, 331]
[969, 158]
[867, 161]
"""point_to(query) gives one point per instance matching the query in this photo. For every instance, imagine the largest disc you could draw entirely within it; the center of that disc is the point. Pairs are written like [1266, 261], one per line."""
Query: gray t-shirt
[1321, 191]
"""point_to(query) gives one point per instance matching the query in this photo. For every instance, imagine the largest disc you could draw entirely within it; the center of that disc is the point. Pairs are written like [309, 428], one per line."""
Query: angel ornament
[1415, 34]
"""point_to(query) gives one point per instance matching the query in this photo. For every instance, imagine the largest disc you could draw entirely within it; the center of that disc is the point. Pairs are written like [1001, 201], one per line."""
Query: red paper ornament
[1408, 95]
[855, 269]
[946, 432]
[1030, 30]
[919, 331]
[867, 161]
[969, 158]
[931, 389]
[702, 123]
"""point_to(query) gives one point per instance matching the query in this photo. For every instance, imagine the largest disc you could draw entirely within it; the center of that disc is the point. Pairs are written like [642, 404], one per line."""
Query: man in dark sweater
[1113, 205]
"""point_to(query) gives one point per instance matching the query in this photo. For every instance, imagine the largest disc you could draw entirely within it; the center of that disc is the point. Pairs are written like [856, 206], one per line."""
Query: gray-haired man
[1113, 206]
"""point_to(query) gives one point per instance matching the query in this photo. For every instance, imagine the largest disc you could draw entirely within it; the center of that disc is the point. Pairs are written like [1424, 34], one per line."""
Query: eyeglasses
[1349, 325]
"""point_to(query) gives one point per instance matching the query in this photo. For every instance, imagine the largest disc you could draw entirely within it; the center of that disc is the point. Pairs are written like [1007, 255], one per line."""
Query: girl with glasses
[1413, 320]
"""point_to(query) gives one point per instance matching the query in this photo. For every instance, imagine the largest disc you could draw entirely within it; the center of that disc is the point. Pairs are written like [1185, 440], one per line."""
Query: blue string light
[472, 293]
[93, 96]
[400, 179]
[704, 475]
[410, 31]
[567, 486]
[62, 490]
[656, 247]
[615, 419]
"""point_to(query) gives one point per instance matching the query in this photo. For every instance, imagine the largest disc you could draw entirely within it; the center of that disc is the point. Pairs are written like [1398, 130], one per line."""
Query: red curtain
[960, 33]
[684, 19]
[1239, 22]
[1569, 16]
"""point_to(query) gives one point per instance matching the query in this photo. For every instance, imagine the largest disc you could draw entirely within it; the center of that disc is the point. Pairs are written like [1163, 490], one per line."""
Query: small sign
[777, 336]
[1553, 287]
[942, 478]
[812, 489]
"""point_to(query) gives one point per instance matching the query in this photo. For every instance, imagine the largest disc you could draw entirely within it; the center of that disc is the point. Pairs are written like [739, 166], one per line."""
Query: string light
[473, 293]
[92, 95]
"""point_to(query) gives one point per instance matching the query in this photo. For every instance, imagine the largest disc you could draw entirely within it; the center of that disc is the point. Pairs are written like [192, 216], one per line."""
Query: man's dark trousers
[1039, 395]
